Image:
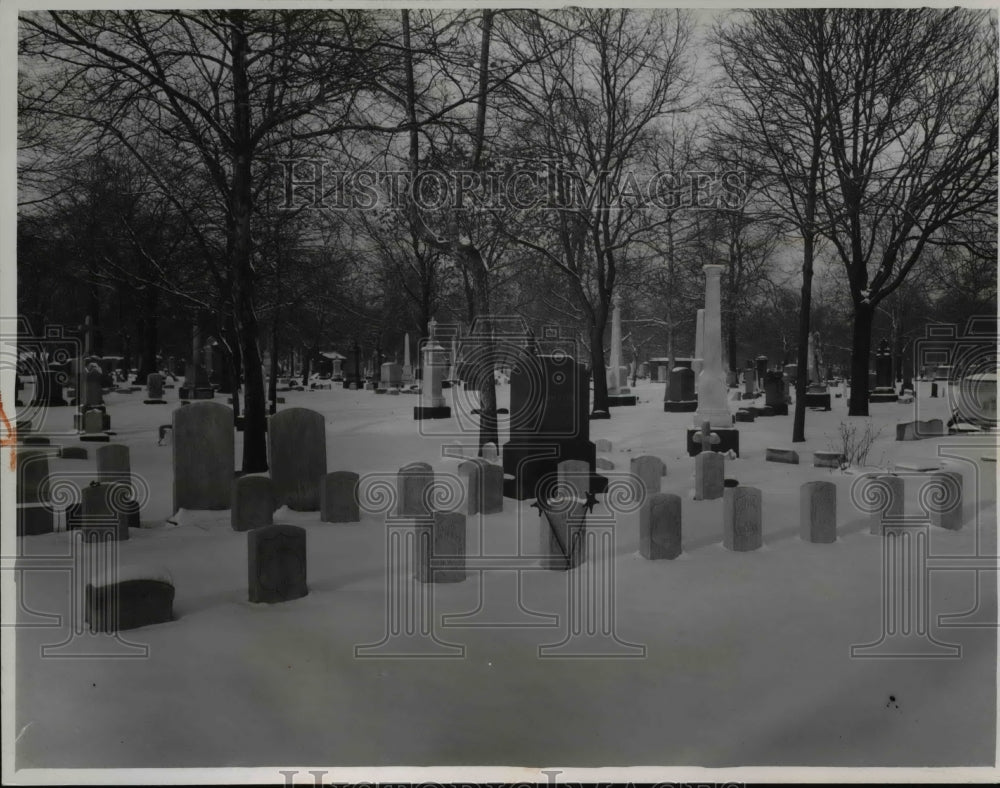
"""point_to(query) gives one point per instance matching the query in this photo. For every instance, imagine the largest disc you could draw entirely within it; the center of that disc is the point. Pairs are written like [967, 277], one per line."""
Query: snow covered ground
[746, 661]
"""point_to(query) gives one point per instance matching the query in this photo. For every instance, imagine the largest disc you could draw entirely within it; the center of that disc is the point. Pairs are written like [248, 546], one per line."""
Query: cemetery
[416, 484]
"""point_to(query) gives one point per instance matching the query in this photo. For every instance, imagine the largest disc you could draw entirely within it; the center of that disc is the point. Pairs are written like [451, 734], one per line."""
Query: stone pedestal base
[599, 414]
[196, 392]
[527, 463]
[423, 412]
[883, 395]
[777, 409]
[680, 406]
[728, 439]
[95, 437]
[618, 400]
[818, 399]
[154, 402]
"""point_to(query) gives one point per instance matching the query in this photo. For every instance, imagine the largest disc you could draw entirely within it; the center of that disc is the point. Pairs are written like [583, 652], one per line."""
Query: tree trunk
[802, 373]
[272, 378]
[150, 336]
[598, 369]
[861, 347]
[255, 421]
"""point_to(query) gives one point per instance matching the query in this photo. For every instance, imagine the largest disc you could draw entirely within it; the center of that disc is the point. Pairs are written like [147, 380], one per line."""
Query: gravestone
[276, 563]
[603, 445]
[102, 511]
[818, 512]
[709, 475]
[412, 483]
[113, 464]
[491, 500]
[945, 500]
[889, 499]
[741, 519]
[297, 457]
[566, 517]
[471, 473]
[549, 422]
[154, 389]
[489, 452]
[391, 375]
[774, 393]
[73, 453]
[128, 597]
[650, 471]
[682, 396]
[203, 456]
[432, 402]
[253, 503]
[660, 526]
[441, 548]
[775, 454]
[338, 498]
[884, 390]
[33, 516]
[827, 459]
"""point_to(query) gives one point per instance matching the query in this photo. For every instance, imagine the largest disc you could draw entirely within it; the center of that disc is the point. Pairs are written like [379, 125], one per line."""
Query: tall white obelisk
[712, 406]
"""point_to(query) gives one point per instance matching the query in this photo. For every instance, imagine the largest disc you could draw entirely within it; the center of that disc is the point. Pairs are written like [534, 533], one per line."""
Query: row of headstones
[660, 515]
[109, 498]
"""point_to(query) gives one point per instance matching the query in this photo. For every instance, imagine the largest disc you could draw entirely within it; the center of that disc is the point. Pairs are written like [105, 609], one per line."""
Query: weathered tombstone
[33, 516]
[777, 454]
[490, 452]
[252, 503]
[827, 459]
[945, 502]
[741, 523]
[660, 526]
[566, 516]
[113, 465]
[203, 456]
[649, 469]
[101, 509]
[276, 563]
[391, 375]
[412, 483]
[604, 464]
[889, 496]
[471, 473]
[127, 597]
[92, 393]
[73, 453]
[603, 445]
[297, 457]
[154, 389]
[441, 548]
[338, 498]
[709, 475]
[818, 512]
[491, 500]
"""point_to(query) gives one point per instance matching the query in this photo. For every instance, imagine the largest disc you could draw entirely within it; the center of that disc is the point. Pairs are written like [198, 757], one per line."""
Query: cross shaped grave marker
[706, 437]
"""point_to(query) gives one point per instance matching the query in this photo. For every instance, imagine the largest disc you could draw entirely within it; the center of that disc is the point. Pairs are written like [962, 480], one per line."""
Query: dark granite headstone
[276, 563]
[128, 597]
[339, 498]
[253, 503]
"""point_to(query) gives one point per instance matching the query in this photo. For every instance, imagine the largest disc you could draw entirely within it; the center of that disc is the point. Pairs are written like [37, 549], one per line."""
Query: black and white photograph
[400, 392]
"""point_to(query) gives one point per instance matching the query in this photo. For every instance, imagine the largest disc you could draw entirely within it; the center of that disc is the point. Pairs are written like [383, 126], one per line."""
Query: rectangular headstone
[709, 475]
[491, 500]
[818, 512]
[827, 459]
[650, 471]
[412, 483]
[339, 498]
[660, 526]
[276, 563]
[471, 474]
[741, 523]
[789, 456]
[944, 500]
[253, 503]
[203, 456]
[566, 517]
[297, 457]
[128, 597]
[114, 465]
[441, 548]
